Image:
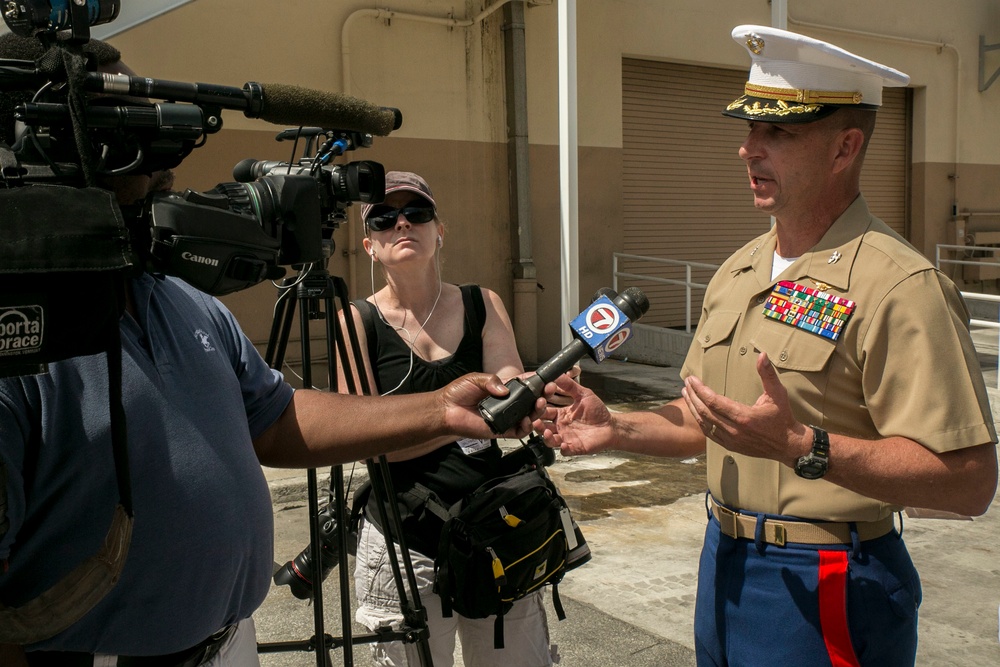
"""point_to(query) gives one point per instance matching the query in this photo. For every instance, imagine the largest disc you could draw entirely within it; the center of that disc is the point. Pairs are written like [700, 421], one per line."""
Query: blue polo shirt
[195, 393]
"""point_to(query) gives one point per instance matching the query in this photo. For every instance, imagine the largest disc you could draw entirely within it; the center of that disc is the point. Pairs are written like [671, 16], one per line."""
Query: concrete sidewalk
[644, 519]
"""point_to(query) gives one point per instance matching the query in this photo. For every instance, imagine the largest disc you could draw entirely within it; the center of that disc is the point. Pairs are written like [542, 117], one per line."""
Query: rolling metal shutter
[885, 178]
[685, 192]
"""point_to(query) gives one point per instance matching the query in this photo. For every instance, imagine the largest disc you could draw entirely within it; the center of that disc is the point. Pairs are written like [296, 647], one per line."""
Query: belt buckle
[727, 521]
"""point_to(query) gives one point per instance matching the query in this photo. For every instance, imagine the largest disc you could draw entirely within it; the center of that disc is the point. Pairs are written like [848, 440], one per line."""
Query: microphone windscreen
[604, 291]
[397, 117]
[637, 301]
[283, 104]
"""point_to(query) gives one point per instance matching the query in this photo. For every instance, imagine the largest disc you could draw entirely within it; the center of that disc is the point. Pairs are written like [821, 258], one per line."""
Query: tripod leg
[281, 325]
[321, 643]
[337, 482]
[414, 615]
[333, 339]
[322, 653]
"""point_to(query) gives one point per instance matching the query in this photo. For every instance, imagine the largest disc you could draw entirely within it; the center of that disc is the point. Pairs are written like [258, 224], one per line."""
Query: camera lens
[299, 574]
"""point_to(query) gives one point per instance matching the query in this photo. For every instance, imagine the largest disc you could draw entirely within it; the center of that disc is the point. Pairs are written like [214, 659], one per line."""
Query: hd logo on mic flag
[602, 327]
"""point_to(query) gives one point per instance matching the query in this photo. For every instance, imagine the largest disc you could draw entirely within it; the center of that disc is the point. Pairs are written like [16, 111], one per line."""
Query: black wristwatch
[814, 464]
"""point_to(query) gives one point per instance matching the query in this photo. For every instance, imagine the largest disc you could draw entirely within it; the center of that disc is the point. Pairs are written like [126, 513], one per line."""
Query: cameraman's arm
[12, 655]
[320, 428]
[344, 381]
[505, 370]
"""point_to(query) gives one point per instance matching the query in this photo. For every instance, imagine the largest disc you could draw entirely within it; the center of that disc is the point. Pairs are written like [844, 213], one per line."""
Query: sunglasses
[383, 217]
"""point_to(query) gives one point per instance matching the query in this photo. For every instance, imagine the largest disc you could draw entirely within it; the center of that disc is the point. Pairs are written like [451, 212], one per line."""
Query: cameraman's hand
[460, 400]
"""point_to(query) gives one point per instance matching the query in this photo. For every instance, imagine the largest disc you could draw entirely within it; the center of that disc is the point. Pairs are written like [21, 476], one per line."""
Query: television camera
[77, 126]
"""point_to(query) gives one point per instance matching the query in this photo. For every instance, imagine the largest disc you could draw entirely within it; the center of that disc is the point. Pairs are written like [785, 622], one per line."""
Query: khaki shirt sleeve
[921, 376]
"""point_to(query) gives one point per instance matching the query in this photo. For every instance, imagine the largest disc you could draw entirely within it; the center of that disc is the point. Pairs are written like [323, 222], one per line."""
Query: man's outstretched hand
[766, 429]
[583, 427]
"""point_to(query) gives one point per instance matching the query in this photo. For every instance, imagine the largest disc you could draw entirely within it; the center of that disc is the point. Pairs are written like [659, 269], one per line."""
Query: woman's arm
[500, 355]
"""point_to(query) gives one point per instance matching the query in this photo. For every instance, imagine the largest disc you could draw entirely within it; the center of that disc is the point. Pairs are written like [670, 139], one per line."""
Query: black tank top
[448, 471]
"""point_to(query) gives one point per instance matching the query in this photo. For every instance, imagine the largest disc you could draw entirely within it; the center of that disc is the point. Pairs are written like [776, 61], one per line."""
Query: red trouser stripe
[833, 608]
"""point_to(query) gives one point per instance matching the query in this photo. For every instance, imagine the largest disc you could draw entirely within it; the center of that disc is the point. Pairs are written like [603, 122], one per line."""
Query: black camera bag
[505, 540]
[64, 254]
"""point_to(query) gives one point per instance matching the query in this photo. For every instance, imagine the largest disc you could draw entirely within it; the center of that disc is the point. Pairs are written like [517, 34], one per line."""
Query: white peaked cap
[798, 79]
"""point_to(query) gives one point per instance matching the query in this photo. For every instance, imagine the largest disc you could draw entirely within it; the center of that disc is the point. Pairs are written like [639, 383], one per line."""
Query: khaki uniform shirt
[904, 364]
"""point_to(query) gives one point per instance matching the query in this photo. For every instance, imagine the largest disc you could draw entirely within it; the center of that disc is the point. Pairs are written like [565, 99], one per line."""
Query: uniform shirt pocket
[793, 349]
[717, 327]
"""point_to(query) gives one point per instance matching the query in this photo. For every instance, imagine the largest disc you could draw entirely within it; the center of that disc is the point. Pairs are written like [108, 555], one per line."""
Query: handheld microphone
[276, 103]
[599, 330]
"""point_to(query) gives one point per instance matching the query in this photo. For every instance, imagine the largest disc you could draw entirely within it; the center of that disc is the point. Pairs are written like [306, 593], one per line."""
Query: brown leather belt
[780, 533]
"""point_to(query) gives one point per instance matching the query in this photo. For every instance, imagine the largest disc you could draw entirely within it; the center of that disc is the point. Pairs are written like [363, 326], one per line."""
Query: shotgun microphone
[277, 103]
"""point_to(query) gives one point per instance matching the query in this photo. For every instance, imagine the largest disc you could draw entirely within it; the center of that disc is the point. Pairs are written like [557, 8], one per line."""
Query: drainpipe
[779, 14]
[523, 263]
[779, 19]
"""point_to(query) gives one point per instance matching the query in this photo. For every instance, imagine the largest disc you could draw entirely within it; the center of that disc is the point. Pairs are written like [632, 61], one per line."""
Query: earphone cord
[413, 338]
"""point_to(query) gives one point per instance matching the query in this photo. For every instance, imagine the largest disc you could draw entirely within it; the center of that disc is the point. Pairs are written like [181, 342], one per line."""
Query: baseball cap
[403, 180]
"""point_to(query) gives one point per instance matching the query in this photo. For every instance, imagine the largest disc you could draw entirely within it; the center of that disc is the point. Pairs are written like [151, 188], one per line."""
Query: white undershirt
[779, 264]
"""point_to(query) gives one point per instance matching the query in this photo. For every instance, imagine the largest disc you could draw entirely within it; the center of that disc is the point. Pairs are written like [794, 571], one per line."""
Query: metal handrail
[938, 260]
[974, 296]
[988, 324]
[687, 283]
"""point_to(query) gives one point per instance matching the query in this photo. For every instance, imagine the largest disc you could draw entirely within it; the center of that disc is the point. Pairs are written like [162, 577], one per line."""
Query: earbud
[372, 253]
[440, 241]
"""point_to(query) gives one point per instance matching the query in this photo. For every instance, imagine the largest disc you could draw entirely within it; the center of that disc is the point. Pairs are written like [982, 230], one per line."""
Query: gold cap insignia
[755, 43]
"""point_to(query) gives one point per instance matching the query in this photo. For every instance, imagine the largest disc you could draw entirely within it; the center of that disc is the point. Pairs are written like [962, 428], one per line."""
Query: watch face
[810, 467]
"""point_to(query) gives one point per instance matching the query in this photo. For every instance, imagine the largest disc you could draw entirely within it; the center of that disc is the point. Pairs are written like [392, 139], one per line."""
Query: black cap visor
[767, 110]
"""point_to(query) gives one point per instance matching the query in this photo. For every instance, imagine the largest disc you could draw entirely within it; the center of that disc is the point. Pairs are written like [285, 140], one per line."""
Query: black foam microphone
[276, 103]
[600, 329]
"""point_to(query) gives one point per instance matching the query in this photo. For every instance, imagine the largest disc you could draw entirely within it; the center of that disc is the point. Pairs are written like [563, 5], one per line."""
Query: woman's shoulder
[488, 295]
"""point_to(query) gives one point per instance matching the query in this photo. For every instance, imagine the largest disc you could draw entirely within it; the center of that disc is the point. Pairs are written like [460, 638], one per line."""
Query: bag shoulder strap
[475, 306]
[371, 334]
[420, 496]
[8, 164]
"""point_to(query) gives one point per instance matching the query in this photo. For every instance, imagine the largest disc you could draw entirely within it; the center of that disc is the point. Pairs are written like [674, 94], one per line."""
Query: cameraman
[204, 411]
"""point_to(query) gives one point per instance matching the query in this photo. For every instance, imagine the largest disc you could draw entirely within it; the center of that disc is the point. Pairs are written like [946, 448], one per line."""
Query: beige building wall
[442, 64]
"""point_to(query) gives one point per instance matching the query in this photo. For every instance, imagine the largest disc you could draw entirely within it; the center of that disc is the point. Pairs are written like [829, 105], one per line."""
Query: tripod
[317, 295]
